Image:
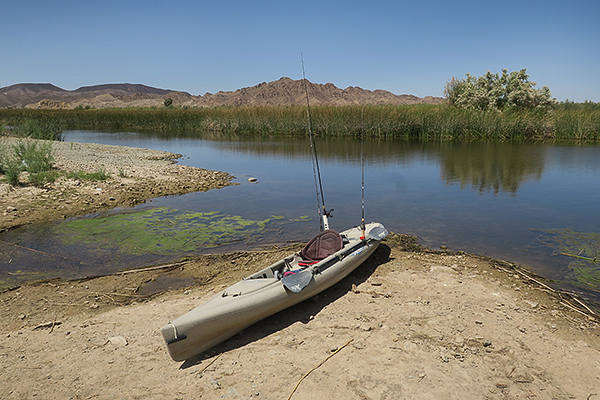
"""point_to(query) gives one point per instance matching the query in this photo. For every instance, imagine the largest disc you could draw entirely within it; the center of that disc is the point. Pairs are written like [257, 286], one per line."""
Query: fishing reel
[325, 215]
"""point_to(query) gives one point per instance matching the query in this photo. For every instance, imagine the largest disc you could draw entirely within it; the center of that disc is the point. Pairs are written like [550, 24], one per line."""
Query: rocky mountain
[284, 91]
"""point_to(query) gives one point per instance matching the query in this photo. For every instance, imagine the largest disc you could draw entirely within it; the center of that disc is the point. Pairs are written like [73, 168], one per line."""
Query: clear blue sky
[406, 47]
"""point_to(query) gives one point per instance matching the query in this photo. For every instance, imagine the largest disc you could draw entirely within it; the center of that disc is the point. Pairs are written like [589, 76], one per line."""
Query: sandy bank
[424, 325]
[136, 175]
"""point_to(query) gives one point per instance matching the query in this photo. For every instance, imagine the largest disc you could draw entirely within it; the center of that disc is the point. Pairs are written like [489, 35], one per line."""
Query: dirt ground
[407, 324]
[410, 323]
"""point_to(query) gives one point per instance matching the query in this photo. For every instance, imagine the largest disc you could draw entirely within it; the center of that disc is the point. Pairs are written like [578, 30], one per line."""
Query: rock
[118, 341]
[532, 304]
[45, 325]
[410, 346]
[359, 345]
[252, 179]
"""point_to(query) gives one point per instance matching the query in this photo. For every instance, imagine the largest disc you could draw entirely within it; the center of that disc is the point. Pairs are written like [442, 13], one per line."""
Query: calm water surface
[505, 200]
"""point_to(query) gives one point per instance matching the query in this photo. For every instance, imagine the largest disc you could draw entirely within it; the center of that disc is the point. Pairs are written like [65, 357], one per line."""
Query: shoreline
[408, 323]
[136, 175]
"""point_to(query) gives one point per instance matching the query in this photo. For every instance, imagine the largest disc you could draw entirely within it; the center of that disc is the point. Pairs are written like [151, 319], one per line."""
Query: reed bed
[568, 121]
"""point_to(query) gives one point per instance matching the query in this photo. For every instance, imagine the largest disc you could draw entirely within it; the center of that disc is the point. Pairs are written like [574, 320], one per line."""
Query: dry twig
[321, 363]
[209, 364]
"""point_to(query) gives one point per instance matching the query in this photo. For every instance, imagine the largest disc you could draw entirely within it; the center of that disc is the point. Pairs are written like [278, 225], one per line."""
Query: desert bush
[12, 173]
[509, 91]
[3, 156]
[9, 166]
[34, 156]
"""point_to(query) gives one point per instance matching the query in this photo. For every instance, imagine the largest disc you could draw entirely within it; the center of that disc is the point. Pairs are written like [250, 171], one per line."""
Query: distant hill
[284, 91]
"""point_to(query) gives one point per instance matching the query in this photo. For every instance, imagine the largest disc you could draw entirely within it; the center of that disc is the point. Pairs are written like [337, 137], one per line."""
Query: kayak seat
[320, 247]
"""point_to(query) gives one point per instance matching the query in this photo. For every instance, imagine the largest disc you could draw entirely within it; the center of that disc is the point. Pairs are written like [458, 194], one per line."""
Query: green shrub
[34, 156]
[31, 156]
[42, 177]
[8, 166]
[12, 172]
[3, 156]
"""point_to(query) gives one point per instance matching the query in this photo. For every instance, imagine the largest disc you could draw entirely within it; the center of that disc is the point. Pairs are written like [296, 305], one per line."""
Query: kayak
[326, 260]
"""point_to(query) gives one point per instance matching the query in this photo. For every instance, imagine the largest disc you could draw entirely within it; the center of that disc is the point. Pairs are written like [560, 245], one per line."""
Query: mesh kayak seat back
[321, 246]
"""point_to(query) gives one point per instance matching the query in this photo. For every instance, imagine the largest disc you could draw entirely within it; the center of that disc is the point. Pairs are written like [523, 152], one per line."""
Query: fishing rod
[323, 212]
[362, 167]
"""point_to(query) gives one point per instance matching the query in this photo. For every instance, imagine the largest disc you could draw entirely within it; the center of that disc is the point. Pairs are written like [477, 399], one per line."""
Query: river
[522, 202]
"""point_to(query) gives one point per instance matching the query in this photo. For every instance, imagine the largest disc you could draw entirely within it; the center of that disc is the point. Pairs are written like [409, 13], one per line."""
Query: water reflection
[495, 167]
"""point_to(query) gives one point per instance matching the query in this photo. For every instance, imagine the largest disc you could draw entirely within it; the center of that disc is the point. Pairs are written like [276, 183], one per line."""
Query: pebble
[118, 341]
[409, 346]
[532, 304]
[359, 345]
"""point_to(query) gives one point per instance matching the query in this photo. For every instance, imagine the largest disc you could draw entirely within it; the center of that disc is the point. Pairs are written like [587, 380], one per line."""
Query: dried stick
[321, 363]
[131, 271]
[534, 280]
[209, 364]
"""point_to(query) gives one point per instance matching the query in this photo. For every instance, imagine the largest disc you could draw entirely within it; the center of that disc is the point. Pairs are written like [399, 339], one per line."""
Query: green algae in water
[583, 248]
[166, 231]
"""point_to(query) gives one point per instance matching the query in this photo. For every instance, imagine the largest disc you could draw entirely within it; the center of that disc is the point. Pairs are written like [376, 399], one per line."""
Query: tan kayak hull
[259, 296]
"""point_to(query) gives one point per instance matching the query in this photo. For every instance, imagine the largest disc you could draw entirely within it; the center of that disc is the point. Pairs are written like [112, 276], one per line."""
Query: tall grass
[426, 122]
[46, 128]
